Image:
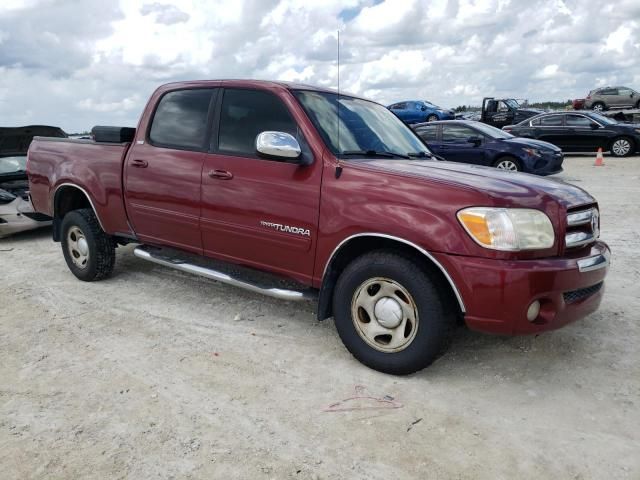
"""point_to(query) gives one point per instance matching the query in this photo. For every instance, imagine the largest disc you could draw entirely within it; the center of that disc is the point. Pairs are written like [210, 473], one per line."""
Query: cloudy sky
[76, 63]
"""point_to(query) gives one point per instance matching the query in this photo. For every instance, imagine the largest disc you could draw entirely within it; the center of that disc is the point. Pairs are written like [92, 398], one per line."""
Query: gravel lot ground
[157, 374]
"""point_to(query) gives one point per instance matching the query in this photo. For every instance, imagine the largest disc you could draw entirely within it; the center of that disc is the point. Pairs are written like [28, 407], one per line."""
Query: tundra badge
[286, 228]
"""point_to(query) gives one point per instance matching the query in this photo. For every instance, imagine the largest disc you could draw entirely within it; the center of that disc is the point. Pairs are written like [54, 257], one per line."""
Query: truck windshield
[349, 125]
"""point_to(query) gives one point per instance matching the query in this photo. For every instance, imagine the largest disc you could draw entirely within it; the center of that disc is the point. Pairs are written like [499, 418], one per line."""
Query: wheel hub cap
[388, 312]
[83, 247]
[384, 314]
[78, 247]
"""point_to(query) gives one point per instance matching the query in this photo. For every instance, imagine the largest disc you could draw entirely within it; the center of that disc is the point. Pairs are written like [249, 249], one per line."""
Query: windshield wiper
[14, 172]
[420, 155]
[374, 153]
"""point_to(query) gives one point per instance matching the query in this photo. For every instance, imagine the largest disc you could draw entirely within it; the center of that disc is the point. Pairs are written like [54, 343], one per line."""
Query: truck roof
[248, 83]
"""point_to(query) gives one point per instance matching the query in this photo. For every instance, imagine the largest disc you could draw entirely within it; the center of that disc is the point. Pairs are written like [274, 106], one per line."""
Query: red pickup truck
[300, 192]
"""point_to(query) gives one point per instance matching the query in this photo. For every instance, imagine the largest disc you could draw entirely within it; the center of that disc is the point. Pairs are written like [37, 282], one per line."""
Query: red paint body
[175, 202]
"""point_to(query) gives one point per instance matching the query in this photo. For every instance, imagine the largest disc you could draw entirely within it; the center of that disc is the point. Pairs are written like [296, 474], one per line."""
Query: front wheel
[390, 314]
[598, 107]
[621, 147]
[89, 252]
[432, 118]
[508, 163]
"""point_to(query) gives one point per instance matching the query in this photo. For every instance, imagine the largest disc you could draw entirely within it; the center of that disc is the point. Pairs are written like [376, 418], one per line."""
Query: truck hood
[507, 188]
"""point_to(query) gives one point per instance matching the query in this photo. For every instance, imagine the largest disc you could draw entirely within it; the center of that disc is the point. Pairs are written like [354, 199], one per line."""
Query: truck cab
[506, 111]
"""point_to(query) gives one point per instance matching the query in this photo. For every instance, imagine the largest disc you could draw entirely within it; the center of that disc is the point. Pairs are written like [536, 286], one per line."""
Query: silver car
[612, 97]
[16, 211]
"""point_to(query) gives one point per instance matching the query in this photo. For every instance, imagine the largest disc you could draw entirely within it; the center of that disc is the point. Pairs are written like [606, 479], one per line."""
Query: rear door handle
[139, 163]
[221, 174]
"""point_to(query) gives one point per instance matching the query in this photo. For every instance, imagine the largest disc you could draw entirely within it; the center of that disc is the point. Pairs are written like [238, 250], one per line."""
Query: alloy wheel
[621, 147]
[507, 165]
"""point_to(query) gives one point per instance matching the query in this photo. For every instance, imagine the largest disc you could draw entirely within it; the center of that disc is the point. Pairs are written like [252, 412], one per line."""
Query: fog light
[533, 311]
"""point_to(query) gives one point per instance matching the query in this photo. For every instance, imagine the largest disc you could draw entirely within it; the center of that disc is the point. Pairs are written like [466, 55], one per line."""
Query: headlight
[533, 152]
[509, 229]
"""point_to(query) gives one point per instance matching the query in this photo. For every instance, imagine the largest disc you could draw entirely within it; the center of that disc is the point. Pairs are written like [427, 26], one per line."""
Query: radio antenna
[338, 167]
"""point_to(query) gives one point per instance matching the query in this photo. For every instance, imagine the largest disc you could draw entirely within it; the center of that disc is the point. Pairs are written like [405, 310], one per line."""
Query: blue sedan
[415, 111]
[481, 144]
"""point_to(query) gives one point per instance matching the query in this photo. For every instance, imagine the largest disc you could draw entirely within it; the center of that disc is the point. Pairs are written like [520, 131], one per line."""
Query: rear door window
[181, 119]
[246, 113]
[551, 121]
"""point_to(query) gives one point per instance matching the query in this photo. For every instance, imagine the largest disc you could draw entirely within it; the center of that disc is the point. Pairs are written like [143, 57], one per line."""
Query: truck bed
[54, 163]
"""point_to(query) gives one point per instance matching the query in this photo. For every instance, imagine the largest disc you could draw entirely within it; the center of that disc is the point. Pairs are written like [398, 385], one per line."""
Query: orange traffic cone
[599, 158]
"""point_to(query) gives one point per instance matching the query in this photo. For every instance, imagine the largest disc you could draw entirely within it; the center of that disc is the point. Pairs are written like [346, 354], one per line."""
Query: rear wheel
[598, 107]
[390, 314]
[89, 252]
[622, 146]
[508, 163]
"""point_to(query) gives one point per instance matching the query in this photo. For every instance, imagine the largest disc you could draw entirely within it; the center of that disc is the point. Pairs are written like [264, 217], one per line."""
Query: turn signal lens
[508, 229]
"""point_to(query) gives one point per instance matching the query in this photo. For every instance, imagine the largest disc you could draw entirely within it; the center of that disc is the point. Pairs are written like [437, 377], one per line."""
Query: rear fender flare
[58, 195]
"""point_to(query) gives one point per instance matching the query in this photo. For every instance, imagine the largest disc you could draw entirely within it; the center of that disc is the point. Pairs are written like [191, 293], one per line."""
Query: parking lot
[158, 374]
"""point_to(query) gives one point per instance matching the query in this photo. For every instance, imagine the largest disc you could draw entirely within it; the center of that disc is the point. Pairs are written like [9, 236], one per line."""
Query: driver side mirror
[594, 126]
[475, 140]
[423, 108]
[279, 145]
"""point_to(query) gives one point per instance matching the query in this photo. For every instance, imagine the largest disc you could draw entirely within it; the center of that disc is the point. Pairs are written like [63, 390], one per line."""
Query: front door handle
[221, 174]
[139, 163]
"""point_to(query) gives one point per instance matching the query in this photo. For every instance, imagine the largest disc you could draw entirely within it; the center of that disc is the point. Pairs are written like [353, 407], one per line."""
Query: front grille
[582, 293]
[583, 227]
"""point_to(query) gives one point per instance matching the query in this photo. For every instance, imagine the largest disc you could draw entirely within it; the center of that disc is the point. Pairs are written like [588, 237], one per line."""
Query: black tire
[598, 107]
[435, 315]
[618, 148]
[432, 118]
[101, 253]
[638, 104]
[508, 160]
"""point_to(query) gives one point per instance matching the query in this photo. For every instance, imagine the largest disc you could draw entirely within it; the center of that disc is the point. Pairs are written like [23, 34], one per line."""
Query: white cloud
[76, 64]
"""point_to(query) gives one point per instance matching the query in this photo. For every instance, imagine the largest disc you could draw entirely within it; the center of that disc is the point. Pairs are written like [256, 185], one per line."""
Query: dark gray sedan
[580, 132]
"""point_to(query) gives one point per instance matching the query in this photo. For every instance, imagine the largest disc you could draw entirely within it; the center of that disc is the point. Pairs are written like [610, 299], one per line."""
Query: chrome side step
[184, 266]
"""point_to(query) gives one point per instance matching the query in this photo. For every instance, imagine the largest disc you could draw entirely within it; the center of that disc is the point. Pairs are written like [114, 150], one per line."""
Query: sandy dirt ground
[158, 374]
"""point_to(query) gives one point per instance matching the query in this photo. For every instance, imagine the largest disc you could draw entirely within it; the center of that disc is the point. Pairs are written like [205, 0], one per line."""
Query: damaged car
[16, 211]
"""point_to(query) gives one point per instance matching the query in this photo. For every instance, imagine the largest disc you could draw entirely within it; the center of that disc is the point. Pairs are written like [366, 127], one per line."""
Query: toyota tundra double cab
[300, 192]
